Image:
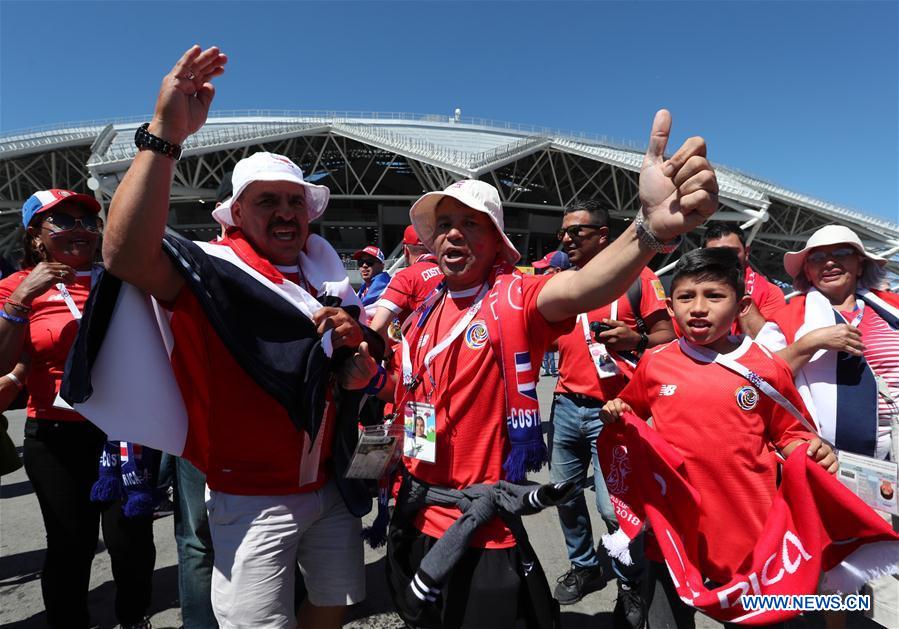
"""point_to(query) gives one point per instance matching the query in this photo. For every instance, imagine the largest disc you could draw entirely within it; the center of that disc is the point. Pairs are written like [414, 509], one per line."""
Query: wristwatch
[642, 343]
[649, 239]
[143, 139]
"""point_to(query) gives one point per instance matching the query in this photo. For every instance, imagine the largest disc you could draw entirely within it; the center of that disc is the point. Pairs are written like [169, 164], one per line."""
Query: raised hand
[186, 94]
[44, 276]
[681, 192]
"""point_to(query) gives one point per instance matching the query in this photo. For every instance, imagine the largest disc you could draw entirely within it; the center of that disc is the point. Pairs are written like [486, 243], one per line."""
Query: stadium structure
[377, 164]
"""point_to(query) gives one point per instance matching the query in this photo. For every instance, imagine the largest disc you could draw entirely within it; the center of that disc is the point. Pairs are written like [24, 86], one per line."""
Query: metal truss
[374, 169]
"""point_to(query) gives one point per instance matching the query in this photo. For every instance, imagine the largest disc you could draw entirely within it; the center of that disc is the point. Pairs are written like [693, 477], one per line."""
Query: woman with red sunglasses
[40, 306]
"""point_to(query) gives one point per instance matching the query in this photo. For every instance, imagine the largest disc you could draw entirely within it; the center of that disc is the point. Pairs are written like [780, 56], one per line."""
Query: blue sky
[800, 93]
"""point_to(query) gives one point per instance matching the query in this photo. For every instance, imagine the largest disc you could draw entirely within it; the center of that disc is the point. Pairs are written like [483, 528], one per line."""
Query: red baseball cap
[558, 259]
[410, 236]
[370, 250]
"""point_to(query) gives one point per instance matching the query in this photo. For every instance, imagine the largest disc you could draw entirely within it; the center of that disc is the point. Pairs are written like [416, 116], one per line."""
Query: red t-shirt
[472, 441]
[410, 286]
[722, 426]
[766, 296]
[51, 331]
[577, 374]
[245, 440]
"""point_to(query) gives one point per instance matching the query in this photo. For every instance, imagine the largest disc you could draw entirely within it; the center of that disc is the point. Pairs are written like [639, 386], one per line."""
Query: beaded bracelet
[12, 318]
[18, 305]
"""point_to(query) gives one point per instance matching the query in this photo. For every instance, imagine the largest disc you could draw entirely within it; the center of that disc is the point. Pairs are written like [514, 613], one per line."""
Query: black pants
[61, 460]
[487, 588]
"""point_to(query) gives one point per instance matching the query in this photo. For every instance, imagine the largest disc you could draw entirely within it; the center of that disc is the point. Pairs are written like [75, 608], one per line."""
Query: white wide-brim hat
[478, 195]
[827, 235]
[264, 166]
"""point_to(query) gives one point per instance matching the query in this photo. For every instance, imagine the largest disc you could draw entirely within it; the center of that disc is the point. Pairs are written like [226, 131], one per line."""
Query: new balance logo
[667, 390]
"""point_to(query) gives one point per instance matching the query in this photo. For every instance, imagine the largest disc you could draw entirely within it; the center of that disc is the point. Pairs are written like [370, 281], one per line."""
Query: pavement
[22, 547]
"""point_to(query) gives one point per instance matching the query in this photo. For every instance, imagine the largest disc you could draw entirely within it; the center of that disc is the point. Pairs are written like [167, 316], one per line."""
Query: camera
[596, 327]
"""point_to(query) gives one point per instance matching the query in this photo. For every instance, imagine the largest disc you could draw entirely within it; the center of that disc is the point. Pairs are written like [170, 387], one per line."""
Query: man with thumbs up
[469, 364]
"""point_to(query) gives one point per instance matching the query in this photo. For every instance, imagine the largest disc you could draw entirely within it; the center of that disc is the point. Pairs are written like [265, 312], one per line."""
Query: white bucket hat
[827, 235]
[271, 167]
[478, 195]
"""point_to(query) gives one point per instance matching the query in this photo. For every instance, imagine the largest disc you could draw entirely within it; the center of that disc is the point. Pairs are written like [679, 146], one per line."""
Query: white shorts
[258, 540]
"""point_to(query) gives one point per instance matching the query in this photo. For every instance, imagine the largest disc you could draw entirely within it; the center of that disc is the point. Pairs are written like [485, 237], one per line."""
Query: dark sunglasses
[574, 231]
[818, 257]
[65, 222]
[368, 262]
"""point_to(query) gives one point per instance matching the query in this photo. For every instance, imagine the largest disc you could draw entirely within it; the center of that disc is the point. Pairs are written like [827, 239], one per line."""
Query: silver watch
[648, 239]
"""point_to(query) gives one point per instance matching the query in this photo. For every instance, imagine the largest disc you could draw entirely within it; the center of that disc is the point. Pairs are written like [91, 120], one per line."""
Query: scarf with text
[508, 336]
[814, 525]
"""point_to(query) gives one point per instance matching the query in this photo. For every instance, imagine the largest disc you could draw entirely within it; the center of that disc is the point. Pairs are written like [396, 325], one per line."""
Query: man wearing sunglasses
[596, 360]
[374, 278]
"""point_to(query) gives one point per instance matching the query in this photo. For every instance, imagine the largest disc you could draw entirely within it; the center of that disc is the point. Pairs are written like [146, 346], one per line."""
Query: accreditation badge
[605, 365]
[420, 422]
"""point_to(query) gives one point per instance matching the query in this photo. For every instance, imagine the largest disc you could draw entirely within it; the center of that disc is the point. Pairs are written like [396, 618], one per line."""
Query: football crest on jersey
[476, 335]
[747, 397]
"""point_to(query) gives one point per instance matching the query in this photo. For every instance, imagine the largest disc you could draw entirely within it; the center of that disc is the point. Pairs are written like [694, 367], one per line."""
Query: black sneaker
[630, 608]
[577, 583]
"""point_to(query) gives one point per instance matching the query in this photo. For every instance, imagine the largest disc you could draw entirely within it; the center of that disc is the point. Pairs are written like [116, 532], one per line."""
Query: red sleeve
[541, 332]
[399, 293]
[653, 298]
[9, 284]
[772, 300]
[636, 393]
[782, 427]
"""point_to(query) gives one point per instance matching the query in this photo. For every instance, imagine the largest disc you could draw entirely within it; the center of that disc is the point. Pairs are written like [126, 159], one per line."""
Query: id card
[606, 367]
[872, 480]
[376, 452]
[420, 425]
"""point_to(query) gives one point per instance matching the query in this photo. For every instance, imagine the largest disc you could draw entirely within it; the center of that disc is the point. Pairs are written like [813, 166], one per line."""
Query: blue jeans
[549, 363]
[194, 547]
[576, 426]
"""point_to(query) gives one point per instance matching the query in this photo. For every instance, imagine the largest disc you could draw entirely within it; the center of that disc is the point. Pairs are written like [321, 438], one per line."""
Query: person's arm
[139, 209]
[841, 338]
[14, 333]
[623, 338]
[676, 195]
[381, 321]
[12, 384]
[752, 321]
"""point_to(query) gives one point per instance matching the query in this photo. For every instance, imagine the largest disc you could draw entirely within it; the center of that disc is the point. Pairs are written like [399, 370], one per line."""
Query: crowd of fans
[269, 355]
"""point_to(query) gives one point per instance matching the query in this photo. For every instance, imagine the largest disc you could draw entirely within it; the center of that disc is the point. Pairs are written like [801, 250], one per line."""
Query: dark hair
[31, 255]
[719, 264]
[719, 229]
[598, 213]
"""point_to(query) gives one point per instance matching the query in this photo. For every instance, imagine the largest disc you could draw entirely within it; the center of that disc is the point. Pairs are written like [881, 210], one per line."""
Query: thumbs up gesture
[680, 192]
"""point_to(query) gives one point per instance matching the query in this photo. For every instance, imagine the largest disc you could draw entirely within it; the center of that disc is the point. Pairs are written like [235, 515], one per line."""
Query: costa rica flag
[524, 376]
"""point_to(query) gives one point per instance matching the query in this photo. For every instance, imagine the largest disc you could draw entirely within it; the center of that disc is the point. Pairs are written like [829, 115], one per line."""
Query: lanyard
[408, 379]
[67, 296]
[760, 383]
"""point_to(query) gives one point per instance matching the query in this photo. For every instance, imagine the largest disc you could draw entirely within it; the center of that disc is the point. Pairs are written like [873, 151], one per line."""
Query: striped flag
[523, 375]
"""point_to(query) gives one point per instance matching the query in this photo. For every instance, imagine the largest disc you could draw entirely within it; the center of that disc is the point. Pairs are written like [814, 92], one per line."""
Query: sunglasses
[817, 257]
[66, 222]
[368, 262]
[574, 231]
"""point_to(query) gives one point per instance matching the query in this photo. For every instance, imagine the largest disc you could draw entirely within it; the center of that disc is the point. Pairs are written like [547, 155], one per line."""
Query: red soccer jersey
[51, 331]
[472, 440]
[410, 286]
[723, 427]
[252, 446]
[577, 373]
[766, 296]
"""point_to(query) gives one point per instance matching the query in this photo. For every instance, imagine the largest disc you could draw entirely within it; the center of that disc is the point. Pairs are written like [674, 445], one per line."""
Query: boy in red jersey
[726, 448]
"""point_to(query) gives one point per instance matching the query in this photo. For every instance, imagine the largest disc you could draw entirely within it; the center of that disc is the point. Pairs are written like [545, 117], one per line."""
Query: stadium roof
[438, 148]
